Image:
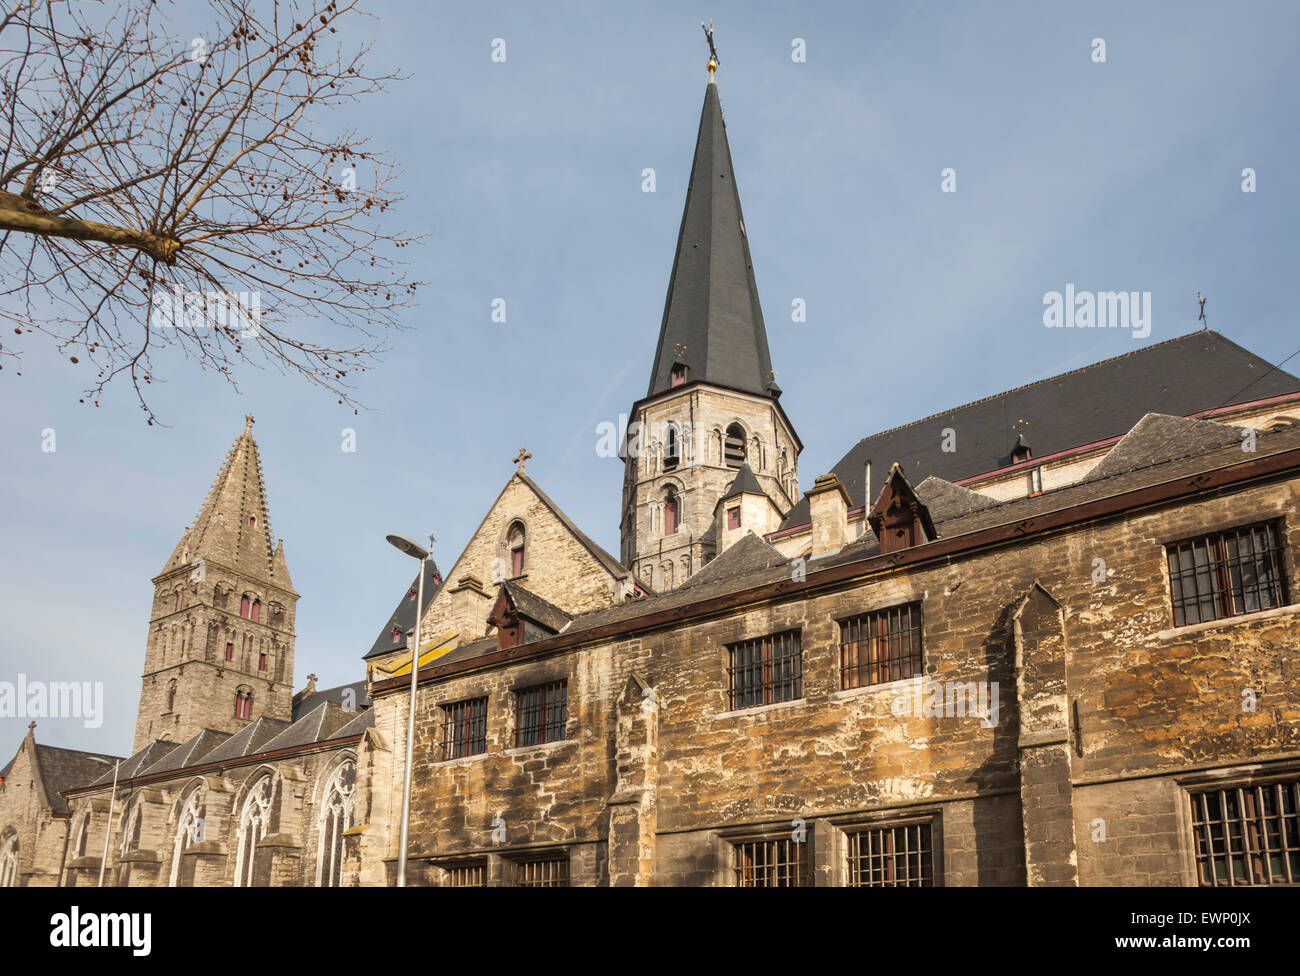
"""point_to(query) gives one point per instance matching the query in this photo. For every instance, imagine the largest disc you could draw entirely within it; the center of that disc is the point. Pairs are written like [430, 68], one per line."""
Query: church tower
[710, 432]
[220, 645]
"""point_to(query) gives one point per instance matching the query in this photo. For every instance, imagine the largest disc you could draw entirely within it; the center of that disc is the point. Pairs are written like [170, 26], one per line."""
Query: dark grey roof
[358, 698]
[247, 741]
[1158, 437]
[944, 499]
[403, 615]
[748, 554]
[364, 720]
[188, 753]
[743, 482]
[66, 769]
[1181, 376]
[141, 759]
[712, 313]
[532, 606]
[321, 723]
[614, 567]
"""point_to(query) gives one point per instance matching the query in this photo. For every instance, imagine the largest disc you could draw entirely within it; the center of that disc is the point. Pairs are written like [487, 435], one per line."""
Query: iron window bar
[881, 646]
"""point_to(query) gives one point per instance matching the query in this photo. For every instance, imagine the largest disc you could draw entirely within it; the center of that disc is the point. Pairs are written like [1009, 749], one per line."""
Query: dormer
[899, 518]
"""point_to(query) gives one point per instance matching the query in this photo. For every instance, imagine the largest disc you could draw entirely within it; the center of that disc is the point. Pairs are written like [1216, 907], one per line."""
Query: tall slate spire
[233, 527]
[713, 324]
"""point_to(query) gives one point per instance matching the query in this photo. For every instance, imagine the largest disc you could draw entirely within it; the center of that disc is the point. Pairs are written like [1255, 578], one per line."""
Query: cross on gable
[520, 458]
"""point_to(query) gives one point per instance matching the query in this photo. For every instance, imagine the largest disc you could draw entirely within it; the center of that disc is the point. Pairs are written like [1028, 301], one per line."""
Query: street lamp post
[419, 552]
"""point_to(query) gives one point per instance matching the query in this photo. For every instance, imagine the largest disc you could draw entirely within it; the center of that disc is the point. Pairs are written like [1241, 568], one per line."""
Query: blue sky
[1124, 175]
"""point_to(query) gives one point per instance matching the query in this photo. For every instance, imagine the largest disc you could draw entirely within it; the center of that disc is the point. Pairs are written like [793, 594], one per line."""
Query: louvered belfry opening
[733, 448]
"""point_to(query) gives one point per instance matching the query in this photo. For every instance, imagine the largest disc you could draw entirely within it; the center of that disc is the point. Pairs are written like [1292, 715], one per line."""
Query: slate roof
[712, 310]
[403, 615]
[945, 500]
[338, 695]
[532, 606]
[744, 482]
[188, 753]
[748, 554]
[1181, 376]
[321, 723]
[1158, 437]
[248, 740]
[141, 759]
[64, 769]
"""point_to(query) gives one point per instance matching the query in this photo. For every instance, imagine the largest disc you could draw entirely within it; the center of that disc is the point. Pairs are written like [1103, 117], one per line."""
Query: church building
[1046, 638]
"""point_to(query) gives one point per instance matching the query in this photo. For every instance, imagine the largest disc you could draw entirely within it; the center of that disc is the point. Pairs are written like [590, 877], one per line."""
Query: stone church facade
[1047, 638]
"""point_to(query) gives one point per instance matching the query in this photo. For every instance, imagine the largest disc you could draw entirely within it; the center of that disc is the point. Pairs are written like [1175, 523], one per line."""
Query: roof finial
[248, 423]
[1201, 317]
[713, 51]
[520, 458]
[31, 726]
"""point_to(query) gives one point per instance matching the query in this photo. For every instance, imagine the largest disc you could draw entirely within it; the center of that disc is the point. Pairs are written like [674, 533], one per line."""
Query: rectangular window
[781, 863]
[230, 651]
[1247, 835]
[733, 517]
[261, 662]
[1225, 575]
[766, 671]
[464, 730]
[471, 874]
[547, 873]
[891, 856]
[516, 562]
[881, 646]
[541, 714]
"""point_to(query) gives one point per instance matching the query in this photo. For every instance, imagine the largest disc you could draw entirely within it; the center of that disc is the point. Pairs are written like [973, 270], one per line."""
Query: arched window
[83, 831]
[335, 817]
[672, 513]
[243, 606]
[244, 702]
[515, 543]
[171, 695]
[189, 830]
[672, 448]
[176, 604]
[254, 824]
[9, 860]
[734, 446]
[666, 573]
[255, 614]
[131, 828]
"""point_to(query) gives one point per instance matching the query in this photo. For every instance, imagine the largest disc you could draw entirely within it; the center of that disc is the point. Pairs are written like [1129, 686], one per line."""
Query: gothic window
[686, 568]
[671, 512]
[171, 695]
[244, 702]
[734, 446]
[255, 614]
[9, 860]
[672, 448]
[243, 605]
[335, 818]
[189, 831]
[715, 445]
[515, 545]
[131, 829]
[176, 604]
[83, 831]
[756, 453]
[230, 651]
[254, 824]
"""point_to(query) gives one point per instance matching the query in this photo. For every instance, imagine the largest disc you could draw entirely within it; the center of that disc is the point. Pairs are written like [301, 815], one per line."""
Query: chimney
[470, 605]
[828, 506]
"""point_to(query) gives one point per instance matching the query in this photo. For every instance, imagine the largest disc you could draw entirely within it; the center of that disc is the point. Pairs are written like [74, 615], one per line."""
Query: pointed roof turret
[233, 527]
[713, 324]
